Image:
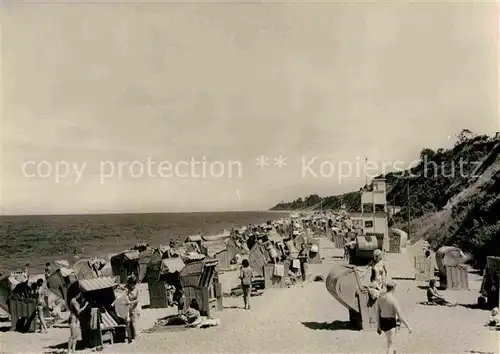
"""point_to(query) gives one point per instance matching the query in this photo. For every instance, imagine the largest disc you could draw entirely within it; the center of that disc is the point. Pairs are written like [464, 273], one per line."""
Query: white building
[374, 211]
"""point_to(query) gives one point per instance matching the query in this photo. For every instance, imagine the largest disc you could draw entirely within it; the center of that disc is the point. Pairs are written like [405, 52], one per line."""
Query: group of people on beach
[247, 275]
[382, 289]
[389, 313]
[36, 291]
[130, 302]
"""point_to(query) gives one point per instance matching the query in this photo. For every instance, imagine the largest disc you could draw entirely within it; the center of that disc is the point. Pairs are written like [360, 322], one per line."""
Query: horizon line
[139, 213]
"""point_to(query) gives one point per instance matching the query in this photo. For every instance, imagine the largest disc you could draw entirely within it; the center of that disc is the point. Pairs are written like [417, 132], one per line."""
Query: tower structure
[374, 212]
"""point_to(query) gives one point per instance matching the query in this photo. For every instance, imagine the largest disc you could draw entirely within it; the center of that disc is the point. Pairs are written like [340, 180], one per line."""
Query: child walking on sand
[246, 276]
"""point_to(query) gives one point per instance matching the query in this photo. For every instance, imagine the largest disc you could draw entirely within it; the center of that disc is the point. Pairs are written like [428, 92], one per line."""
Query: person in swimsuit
[378, 270]
[303, 258]
[246, 276]
[433, 296]
[388, 310]
[25, 271]
[40, 305]
[133, 298]
[47, 270]
[74, 321]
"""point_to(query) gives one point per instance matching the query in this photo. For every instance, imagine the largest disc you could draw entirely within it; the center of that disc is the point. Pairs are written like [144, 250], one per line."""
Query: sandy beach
[298, 319]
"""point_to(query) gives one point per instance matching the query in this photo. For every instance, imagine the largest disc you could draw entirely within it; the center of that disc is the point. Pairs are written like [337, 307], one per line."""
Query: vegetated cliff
[454, 196]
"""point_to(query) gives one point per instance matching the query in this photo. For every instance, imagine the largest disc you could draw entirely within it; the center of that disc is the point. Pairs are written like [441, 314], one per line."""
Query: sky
[94, 92]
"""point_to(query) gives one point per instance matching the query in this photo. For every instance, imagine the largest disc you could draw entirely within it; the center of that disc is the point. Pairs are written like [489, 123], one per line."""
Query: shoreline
[37, 268]
[137, 213]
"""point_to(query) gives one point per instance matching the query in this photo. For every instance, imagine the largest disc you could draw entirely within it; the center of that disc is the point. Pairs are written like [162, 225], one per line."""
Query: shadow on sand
[330, 326]
[61, 348]
[472, 306]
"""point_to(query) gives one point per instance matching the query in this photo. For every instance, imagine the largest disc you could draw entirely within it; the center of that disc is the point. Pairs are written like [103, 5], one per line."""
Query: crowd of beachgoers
[282, 239]
[277, 235]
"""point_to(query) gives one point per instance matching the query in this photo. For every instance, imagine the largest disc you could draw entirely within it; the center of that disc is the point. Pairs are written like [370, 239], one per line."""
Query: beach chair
[490, 292]
[344, 284]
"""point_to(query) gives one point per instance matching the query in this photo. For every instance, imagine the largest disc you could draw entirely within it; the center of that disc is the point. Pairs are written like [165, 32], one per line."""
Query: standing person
[180, 299]
[74, 320]
[388, 310]
[169, 294]
[303, 258]
[379, 274]
[273, 253]
[25, 271]
[25, 278]
[40, 305]
[133, 298]
[246, 276]
[47, 270]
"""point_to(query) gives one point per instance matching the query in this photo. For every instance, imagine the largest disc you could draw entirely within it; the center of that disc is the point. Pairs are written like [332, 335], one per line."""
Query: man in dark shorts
[388, 310]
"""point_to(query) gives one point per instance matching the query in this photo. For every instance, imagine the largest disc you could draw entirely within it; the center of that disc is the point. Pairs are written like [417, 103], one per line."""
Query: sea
[38, 239]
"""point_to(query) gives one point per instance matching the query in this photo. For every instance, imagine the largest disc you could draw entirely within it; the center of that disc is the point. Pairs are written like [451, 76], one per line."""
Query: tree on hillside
[464, 135]
[473, 224]
[312, 200]
[427, 155]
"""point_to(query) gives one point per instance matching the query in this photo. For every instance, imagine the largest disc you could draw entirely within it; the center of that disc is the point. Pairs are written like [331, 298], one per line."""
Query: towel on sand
[204, 322]
[279, 270]
[430, 303]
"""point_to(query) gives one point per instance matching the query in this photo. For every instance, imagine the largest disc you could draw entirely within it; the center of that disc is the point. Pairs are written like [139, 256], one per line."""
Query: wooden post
[408, 192]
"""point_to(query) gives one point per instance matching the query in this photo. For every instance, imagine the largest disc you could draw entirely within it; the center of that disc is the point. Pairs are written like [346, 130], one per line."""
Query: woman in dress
[133, 298]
